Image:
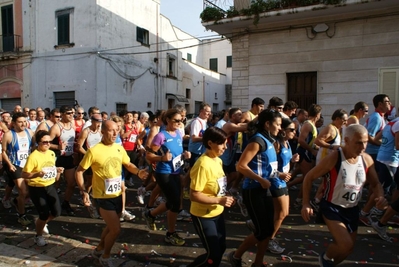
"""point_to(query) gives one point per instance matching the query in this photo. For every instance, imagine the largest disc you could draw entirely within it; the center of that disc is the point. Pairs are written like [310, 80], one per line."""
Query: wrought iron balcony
[10, 43]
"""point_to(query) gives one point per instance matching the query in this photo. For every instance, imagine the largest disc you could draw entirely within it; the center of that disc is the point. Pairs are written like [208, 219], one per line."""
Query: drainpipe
[157, 87]
[203, 89]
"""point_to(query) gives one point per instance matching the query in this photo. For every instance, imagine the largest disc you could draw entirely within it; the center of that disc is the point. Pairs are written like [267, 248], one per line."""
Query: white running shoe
[141, 194]
[126, 216]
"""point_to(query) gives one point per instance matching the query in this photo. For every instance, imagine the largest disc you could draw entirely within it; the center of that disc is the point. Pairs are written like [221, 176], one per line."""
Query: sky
[184, 14]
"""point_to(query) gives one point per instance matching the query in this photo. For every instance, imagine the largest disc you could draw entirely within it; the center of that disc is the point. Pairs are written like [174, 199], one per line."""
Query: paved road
[72, 239]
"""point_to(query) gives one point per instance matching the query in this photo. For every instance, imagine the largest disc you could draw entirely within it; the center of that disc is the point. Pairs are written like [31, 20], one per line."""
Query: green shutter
[229, 61]
[213, 64]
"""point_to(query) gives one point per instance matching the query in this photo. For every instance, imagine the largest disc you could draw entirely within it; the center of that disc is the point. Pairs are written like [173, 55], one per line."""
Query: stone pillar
[240, 47]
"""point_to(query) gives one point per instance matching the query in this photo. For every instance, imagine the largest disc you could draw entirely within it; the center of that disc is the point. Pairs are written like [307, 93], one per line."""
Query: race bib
[69, 148]
[286, 168]
[133, 138]
[22, 156]
[274, 166]
[350, 195]
[50, 172]
[113, 186]
[177, 162]
[222, 182]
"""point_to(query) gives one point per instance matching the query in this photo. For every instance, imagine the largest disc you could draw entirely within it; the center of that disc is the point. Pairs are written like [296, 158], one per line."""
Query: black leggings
[46, 201]
[171, 188]
[212, 232]
[261, 210]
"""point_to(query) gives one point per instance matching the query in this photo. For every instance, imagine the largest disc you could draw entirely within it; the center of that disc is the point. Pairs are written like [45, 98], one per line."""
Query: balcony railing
[10, 43]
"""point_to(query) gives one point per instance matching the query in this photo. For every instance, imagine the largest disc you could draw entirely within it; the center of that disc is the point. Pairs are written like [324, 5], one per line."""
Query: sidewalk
[18, 249]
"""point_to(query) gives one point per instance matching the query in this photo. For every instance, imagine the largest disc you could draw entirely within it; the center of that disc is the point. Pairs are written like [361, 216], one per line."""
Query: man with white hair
[346, 171]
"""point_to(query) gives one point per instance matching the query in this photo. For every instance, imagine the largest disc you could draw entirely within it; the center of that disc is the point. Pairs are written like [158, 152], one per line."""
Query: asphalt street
[72, 239]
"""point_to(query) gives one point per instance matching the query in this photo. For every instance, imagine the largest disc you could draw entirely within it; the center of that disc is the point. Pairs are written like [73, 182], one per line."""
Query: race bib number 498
[113, 186]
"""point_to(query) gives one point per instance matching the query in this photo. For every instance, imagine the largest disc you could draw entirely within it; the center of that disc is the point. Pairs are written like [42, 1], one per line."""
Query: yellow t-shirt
[204, 178]
[106, 164]
[38, 161]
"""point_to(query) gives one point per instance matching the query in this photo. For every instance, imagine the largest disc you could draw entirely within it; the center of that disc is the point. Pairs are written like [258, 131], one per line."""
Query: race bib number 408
[113, 186]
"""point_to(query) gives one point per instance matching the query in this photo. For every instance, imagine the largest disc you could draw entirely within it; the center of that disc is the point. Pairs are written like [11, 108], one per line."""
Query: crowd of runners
[215, 160]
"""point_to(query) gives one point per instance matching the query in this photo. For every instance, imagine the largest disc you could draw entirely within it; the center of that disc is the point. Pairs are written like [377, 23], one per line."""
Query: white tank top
[93, 138]
[344, 183]
[67, 136]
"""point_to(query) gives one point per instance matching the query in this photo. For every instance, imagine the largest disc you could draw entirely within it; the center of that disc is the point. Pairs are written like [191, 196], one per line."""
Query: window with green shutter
[213, 64]
[229, 61]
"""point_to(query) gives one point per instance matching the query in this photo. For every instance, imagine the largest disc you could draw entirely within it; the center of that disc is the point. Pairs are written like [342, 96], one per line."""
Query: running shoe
[174, 239]
[365, 219]
[376, 213]
[130, 182]
[233, 261]
[15, 191]
[96, 254]
[40, 241]
[149, 220]
[394, 220]
[274, 247]
[381, 231]
[158, 201]
[6, 203]
[106, 262]
[325, 263]
[93, 212]
[141, 194]
[242, 206]
[24, 221]
[29, 203]
[126, 216]
[183, 214]
[67, 207]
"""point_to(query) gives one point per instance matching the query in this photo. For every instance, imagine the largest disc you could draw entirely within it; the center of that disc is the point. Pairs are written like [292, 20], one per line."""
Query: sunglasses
[279, 107]
[45, 142]
[69, 113]
[81, 113]
[57, 117]
[291, 129]
[177, 121]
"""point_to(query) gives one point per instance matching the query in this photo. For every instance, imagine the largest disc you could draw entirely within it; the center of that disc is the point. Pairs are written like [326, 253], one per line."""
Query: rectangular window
[213, 64]
[64, 29]
[188, 93]
[229, 61]
[171, 66]
[189, 57]
[143, 36]
[64, 99]
[120, 107]
[7, 27]
[388, 83]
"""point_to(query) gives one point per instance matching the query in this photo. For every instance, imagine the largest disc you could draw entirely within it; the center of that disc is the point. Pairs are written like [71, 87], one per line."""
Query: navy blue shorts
[348, 216]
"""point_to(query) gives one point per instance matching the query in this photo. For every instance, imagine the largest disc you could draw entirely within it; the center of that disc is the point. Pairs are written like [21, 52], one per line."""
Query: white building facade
[115, 55]
[334, 56]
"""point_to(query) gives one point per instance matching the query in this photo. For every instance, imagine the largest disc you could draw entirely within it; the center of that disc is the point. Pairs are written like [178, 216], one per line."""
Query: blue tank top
[175, 145]
[283, 159]
[19, 148]
[264, 164]
[387, 153]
